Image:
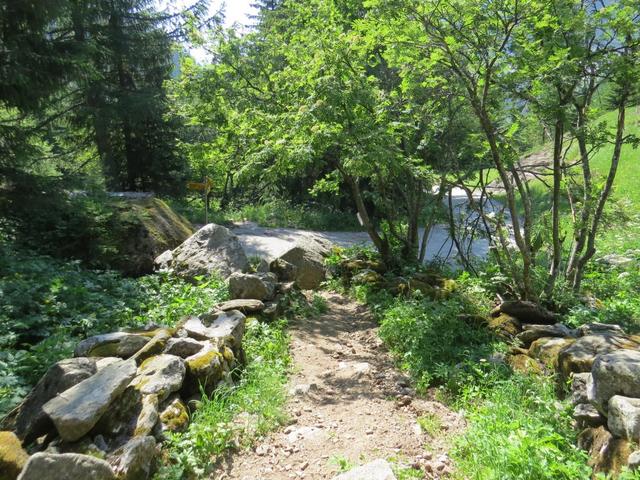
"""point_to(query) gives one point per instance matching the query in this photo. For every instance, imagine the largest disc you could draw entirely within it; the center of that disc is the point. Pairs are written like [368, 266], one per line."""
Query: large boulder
[376, 470]
[580, 355]
[66, 466]
[526, 312]
[307, 256]
[116, 344]
[12, 456]
[623, 417]
[145, 228]
[212, 250]
[259, 286]
[31, 420]
[75, 411]
[616, 373]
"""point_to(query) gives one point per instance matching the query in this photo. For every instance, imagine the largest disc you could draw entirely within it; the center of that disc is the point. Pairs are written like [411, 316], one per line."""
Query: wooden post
[206, 194]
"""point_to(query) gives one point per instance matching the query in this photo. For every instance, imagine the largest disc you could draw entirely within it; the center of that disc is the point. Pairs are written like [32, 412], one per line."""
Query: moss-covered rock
[147, 227]
[505, 325]
[204, 369]
[174, 416]
[12, 456]
[607, 453]
[524, 364]
[547, 349]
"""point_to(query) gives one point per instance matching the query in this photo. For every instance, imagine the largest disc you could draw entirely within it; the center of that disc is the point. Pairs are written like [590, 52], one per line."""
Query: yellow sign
[202, 187]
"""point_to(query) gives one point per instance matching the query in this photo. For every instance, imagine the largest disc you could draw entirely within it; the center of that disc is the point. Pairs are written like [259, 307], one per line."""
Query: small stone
[245, 306]
[587, 415]
[174, 415]
[634, 460]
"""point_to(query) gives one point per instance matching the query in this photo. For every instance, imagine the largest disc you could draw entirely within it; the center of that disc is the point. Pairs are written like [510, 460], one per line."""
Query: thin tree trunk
[604, 196]
[556, 254]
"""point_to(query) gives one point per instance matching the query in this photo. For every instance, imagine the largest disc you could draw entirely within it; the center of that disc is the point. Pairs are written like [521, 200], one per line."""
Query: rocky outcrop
[602, 364]
[212, 250]
[580, 355]
[118, 409]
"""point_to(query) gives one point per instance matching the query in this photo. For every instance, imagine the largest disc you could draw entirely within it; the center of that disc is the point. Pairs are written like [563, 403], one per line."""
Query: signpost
[204, 187]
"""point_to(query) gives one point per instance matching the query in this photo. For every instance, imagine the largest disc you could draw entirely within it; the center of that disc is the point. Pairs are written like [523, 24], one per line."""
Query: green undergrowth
[274, 213]
[48, 305]
[234, 416]
[517, 426]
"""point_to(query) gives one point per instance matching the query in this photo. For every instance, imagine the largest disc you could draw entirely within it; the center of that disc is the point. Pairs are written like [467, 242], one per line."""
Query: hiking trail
[348, 405]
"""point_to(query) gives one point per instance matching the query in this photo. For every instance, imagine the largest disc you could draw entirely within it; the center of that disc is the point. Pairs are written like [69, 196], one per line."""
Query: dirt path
[348, 405]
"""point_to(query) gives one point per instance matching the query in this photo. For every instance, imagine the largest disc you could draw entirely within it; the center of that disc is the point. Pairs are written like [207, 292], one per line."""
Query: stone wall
[601, 365]
[104, 413]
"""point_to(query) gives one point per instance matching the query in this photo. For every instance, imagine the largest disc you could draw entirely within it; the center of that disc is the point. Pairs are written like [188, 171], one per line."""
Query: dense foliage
[47, 306]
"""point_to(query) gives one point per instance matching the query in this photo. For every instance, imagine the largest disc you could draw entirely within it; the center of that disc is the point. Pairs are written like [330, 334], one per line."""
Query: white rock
[624, 417]
[616, 373]
[376, 470]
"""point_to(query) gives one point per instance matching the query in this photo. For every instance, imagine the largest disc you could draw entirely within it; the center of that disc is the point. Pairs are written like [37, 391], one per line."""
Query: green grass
[235, 416]
[518, 430]
[48, 305]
